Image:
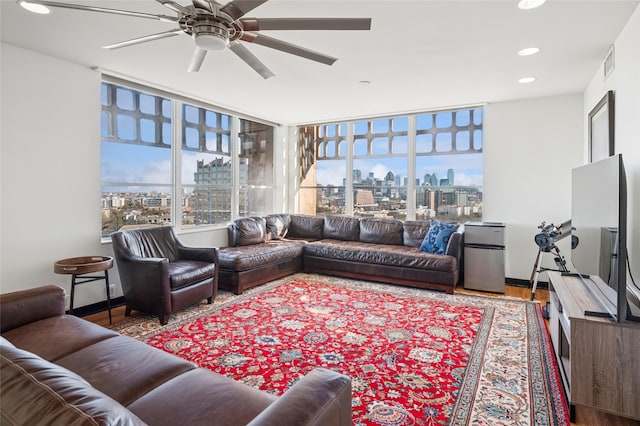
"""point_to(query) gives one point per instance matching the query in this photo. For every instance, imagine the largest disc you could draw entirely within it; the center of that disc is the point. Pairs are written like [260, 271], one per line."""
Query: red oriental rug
[414, 356]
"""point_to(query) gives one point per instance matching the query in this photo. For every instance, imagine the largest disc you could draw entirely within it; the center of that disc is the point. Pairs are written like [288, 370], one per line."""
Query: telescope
[551, 233]
[546, 241]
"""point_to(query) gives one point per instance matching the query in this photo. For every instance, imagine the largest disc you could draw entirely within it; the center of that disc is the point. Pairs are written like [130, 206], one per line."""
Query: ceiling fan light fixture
[211, 36]
[34, 7]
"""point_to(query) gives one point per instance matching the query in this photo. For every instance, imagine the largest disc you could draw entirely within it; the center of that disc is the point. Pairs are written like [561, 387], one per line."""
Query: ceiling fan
[215, 27]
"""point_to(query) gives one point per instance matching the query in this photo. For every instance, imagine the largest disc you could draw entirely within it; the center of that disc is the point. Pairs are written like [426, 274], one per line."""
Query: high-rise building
[450, 176]
[212, 194]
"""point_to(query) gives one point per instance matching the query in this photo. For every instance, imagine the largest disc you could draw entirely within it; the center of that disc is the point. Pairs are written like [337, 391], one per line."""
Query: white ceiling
[419, 54]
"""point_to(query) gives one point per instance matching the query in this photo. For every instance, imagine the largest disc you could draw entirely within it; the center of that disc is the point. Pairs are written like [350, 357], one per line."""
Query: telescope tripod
[538, 268]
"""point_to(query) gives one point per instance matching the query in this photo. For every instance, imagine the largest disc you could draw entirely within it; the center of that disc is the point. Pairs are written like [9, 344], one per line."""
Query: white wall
[625, 82]
[50, 160]
[50, 172]
[530, 148]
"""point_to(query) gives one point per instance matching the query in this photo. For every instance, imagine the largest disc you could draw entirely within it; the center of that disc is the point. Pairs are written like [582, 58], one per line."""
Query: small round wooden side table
[83, 265]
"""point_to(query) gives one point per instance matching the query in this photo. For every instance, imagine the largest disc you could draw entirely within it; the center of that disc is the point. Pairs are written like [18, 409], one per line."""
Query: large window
[173, 162]
[207, 175]
[415, 166]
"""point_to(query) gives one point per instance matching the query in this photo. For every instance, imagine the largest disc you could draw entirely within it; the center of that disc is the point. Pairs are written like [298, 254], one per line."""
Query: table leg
[73, 289]
[106, 279]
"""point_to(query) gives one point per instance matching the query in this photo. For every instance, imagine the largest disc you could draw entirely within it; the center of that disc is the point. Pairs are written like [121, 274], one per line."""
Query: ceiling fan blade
[238, 8]
[203, 4]
[164, 18]
[258, 24]
[196, 60]
[251, 59]
[178, 8]
[288, 48]
[145, 39]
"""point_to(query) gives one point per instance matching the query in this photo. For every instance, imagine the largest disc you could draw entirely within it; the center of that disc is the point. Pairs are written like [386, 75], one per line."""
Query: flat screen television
[599, 221]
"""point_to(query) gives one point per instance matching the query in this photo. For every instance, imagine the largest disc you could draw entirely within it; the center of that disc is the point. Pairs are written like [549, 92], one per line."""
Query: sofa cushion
[55, 337]
[34, 389]
[124, 368]
[380, 254]
[186, 272]
[437, 238]
[381, 231]
[414, 231]
[306, 226]
[277, 226]
[257, 255]
[251, 230]
[341, 228]
[201, 397]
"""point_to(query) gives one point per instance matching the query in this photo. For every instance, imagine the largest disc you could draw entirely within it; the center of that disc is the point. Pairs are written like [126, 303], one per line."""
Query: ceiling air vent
[609, 62]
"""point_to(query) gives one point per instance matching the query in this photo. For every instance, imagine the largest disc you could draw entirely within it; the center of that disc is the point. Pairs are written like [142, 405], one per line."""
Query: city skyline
[467, 168]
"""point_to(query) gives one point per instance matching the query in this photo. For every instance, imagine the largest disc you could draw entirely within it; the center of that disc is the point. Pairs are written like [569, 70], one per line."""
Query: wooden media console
[598, 358]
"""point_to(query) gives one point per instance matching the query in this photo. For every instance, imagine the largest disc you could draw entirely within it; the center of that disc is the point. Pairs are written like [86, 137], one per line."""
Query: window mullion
[348, 187]
[235, 170]
[411, 168]
[176, 156]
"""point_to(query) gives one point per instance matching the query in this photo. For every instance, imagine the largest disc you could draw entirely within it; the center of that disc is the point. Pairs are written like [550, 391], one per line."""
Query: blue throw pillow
[438, 236]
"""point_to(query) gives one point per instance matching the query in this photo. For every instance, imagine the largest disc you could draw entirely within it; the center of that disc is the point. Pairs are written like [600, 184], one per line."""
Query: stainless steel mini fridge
[484, 256]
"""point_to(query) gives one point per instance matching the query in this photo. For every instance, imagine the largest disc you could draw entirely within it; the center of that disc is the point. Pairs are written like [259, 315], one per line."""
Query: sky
[128, 163]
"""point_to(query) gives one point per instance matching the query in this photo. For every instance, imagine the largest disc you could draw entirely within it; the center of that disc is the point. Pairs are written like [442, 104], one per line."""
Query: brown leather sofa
[159, 274]
[58, 369]
[262, 249]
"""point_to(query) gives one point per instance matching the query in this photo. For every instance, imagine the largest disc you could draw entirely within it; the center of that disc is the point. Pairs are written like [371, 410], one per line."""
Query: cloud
[330, 172]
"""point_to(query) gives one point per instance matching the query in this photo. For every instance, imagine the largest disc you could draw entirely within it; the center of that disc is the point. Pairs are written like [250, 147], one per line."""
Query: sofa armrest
[322, 397]
[145, 281]
[232, 235]
[454, 247]
[202, 254]
[25, 306]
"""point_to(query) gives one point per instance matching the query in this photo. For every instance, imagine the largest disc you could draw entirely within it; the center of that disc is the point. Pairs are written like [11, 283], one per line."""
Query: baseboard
[517, 282]
[95, 308]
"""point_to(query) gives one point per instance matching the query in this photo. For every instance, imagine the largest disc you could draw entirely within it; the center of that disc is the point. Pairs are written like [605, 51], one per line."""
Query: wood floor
[584, 416]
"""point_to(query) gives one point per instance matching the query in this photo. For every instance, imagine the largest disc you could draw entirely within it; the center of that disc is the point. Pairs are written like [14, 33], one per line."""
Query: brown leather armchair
[159, 274]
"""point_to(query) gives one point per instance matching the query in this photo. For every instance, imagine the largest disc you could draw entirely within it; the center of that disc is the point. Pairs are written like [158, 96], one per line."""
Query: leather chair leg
[164, 319]
[127, 311]
[209, 300]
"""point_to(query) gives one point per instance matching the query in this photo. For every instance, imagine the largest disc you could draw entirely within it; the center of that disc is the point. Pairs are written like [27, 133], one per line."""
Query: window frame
[176, 185]
[353, 134]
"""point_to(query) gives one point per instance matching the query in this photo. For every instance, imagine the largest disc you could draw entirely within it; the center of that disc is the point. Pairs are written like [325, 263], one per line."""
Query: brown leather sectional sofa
[262, 249]
[58, 369]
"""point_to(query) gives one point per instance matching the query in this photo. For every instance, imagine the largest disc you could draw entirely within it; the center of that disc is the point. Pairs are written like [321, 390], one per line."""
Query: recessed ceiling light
[530, 4]
[34, 7]
[364, 82]
[525, 80]
[529, 51]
